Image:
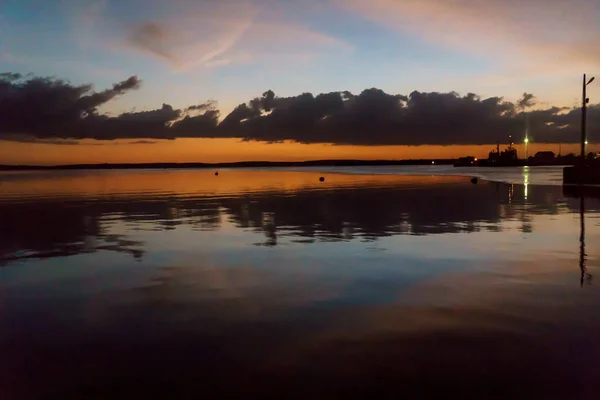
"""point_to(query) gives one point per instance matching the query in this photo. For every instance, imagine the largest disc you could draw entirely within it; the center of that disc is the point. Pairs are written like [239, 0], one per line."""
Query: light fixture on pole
[586, 146]
[585, 100]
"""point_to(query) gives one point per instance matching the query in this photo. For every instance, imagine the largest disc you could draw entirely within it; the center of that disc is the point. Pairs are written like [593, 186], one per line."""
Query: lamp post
[526, 136]
[585, 100]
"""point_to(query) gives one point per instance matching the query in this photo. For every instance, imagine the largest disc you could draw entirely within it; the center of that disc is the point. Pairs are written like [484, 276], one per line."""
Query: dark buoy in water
[474, 181]
[216, 174]
[321, 179]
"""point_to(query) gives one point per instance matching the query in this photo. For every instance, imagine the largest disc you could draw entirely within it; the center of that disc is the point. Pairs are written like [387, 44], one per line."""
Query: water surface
[133, 284]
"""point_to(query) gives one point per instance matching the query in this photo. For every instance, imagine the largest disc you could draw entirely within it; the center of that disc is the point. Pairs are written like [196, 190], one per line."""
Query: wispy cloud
[205, 34]
[521, 37]
[153, 38]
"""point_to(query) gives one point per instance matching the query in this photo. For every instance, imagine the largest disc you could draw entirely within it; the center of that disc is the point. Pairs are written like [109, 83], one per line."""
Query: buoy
[322, 179]
[216, 174]
[474, 181]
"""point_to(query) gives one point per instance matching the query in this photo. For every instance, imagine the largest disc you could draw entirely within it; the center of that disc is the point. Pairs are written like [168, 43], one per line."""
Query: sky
[186, 53]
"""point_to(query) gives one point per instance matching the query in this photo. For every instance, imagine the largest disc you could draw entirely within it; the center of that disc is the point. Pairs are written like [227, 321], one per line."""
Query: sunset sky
[187, 52]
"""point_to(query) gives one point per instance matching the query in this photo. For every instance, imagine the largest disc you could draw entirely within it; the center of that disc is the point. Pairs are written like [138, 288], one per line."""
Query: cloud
[216, 34]
[187, 44]
[23, 138]
[143, 142]
[526, 101]
[47, 108]
[152, 37]
[377, 118]
[10, 76]
[201, 107]
[521, 37]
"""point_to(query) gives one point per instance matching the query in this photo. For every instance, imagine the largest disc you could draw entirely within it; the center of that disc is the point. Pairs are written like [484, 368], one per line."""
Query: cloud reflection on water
[364, 285]
[51, 216]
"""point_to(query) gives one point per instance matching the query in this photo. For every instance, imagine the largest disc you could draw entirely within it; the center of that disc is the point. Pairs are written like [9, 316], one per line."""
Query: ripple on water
[266, 284]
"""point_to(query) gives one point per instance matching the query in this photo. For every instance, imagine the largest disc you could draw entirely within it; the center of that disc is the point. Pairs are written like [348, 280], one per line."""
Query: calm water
[270, 284]
[539, 175]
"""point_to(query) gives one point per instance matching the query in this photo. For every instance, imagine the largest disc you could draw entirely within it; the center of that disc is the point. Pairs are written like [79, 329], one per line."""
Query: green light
[586, 142]
[526, 140]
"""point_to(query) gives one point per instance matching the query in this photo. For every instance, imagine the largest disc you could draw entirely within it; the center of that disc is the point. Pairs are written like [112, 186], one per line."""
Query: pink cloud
[209, 34]
[521, 36]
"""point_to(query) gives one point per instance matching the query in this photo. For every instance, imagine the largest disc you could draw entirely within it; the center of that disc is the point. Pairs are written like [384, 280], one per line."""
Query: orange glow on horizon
[231, 150]
[197, 182]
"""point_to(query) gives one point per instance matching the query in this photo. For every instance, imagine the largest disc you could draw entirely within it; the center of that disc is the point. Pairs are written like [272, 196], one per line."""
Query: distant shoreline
[241, 164]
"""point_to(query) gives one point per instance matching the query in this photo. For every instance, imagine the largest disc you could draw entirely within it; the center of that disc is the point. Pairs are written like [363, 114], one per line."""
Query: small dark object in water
[474, 181]
[322, 179]
[216, 174]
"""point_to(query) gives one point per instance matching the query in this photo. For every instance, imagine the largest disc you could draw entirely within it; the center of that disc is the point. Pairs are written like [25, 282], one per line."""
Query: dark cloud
[377, 118]
[10, 76]
[209, 105]
[526, 101]
[52, 108]
[143, 142]
[241, 113]
[47, 108]
[162, 115]
[153, 38]
[22, 138]
[203, 125]
[90, 102]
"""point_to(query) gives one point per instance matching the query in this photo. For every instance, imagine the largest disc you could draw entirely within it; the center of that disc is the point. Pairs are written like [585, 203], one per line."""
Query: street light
[585, 100]
[526, 147]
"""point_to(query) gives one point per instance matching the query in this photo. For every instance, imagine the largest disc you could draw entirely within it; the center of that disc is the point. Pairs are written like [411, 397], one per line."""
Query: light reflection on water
[537, 175]
[272, 283]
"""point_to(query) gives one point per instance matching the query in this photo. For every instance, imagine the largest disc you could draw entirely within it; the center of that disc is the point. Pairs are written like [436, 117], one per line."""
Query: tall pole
[582, 238]
[583, 119]
[526, 136]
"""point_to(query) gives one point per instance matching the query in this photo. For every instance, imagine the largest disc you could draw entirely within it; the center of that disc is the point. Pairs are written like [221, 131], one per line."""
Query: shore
[241, 164]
